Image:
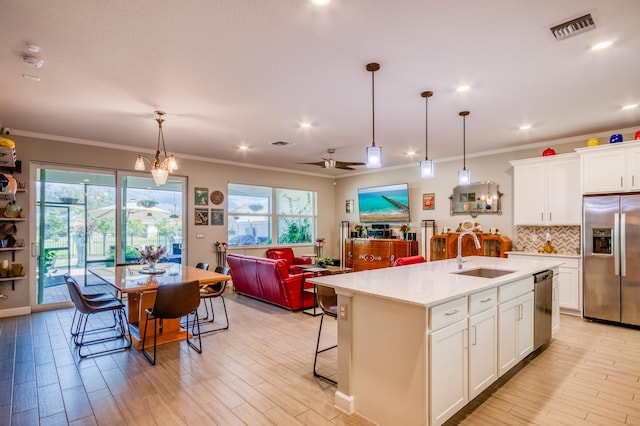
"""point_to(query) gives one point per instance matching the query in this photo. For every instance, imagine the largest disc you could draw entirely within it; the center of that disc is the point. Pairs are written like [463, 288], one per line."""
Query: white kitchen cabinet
[610, 168]
[555, 303]
[515, 324]
[483, 350]
[546, 191]
[569, 274]
[449, 371]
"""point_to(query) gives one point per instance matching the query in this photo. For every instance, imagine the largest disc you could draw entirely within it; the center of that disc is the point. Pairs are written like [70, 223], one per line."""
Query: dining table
[139, 284]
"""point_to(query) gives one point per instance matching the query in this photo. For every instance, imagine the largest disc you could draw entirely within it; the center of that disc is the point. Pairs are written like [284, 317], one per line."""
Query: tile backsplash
[565, 239]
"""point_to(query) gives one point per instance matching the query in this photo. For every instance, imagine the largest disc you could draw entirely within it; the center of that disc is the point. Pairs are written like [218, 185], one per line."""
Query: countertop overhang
[430, 283]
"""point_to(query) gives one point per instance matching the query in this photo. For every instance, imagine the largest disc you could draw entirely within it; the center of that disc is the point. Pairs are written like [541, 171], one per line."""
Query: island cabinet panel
[515, 329]
[448, 371]
[483, 350]
[362, 254]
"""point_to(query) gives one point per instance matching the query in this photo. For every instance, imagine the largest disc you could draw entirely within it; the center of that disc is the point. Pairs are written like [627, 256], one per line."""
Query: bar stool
[328, 303]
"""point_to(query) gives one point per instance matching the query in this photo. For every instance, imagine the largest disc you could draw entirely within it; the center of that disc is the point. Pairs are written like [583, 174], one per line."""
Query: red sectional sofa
[286, 253]
[269, 280]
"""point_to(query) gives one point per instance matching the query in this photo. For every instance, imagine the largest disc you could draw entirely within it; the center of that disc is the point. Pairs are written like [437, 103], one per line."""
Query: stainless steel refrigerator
[611, 258]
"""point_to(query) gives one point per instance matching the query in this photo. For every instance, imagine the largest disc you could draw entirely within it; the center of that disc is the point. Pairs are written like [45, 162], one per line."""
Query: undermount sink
[484, 272]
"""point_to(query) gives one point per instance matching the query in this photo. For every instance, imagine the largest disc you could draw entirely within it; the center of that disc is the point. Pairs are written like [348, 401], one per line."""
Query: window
[260, 215]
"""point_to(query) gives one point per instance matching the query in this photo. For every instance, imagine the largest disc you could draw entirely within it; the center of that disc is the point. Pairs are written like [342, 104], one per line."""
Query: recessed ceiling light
[243, 148]
[31, 77]
[320, 2]
[525, 127]
[305, 125]
[463, 88]
[602, 45]
[411, 153]
[630, 106]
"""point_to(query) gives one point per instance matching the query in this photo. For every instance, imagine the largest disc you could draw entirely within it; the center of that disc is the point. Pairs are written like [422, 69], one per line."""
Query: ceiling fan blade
[317, 163]
[343, 167]
[349, 163]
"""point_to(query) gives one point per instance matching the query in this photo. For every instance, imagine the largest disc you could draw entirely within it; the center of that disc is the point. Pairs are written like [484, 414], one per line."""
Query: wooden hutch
[445, 246]
[366, 253]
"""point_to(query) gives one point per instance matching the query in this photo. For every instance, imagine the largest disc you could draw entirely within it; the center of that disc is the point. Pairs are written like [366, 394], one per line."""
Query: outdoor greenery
[297, 229]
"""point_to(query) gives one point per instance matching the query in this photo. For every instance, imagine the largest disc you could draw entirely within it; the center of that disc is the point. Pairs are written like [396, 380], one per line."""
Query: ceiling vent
[573, 27]
[282, 143]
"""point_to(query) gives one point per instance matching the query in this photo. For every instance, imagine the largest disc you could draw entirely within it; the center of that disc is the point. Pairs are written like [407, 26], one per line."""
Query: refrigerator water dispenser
[602, 240]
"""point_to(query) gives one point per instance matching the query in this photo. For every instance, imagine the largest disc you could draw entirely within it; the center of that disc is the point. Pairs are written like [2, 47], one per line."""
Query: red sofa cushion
[268, 280]
[286, 253]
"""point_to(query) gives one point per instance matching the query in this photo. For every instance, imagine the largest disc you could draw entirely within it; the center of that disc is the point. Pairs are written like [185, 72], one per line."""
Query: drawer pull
[486, 299]
[455, 311]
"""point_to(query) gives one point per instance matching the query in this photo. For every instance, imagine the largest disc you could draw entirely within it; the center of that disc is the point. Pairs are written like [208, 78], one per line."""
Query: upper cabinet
[546, 191]
[610, 168]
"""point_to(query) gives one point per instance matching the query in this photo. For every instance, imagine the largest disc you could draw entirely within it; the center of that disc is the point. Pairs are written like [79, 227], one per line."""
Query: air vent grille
[573, 27]
[282, 143]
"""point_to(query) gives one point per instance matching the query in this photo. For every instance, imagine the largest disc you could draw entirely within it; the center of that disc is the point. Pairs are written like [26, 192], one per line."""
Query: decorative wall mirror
[476, 198]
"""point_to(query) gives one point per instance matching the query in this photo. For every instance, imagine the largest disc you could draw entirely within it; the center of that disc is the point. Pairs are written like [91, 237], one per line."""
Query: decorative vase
[151, 265]
[404, 235]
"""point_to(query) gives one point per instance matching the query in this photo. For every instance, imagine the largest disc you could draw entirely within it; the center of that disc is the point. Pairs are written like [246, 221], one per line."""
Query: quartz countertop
[430, 283]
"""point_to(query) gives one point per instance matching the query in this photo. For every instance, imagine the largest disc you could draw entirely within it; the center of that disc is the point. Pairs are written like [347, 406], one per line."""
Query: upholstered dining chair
[210, 292]
[95, 297]
[87, 308]
[328, 303]
[173, 301]
[201, 265]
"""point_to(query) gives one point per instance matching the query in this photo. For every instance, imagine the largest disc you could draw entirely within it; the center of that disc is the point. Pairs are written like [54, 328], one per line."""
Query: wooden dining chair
[328, 303]
[174, 301]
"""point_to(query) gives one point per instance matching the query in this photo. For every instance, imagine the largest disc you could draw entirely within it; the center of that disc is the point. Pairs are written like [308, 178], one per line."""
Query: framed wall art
[349, 206]
[201, 196]
[428, 201]
[217, 217]
[201, 216]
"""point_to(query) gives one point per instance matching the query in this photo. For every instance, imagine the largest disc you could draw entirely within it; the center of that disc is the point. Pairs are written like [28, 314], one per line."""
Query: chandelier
[160, 168]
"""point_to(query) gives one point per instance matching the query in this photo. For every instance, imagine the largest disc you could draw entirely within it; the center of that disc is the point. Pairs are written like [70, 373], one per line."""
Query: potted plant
[404, 229]
[324, 261]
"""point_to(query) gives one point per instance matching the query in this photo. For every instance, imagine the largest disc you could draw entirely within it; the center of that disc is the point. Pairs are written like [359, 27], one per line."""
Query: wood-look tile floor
[260, 372]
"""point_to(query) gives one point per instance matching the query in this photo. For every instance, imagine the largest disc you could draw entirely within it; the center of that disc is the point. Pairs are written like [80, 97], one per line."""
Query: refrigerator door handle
[616, 244]
[623, 244]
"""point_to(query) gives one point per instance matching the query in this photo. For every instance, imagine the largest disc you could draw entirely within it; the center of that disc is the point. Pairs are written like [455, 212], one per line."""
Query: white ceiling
[233, 73]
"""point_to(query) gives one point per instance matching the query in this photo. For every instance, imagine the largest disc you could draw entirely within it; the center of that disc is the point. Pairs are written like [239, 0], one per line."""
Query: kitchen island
[416, 343]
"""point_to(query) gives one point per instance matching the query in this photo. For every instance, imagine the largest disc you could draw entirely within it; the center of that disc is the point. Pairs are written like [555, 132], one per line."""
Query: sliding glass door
[88, 218]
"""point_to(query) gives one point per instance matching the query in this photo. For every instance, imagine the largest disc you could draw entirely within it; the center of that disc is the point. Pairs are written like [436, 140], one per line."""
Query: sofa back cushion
[285, 253]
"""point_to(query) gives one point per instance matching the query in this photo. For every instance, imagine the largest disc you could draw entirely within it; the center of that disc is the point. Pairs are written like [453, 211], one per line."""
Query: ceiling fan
[330, 163]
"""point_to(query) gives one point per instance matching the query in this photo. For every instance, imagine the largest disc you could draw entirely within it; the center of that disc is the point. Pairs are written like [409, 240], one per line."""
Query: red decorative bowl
[547, 152]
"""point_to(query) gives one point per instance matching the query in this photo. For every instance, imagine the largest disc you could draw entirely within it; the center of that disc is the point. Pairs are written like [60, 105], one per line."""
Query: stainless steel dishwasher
[542, 292]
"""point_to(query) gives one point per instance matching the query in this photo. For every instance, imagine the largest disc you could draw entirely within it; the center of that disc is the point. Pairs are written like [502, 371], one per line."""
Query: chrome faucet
[459, 257]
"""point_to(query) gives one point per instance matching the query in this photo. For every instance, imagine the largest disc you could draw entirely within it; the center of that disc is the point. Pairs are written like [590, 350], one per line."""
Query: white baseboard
[344, 402]
[14, 312]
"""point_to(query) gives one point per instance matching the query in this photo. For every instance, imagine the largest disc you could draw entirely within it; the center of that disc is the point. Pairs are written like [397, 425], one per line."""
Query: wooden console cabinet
[361, 253]
[445, 246]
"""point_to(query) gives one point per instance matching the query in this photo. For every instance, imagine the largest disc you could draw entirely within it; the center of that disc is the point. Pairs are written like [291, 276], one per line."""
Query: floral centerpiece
[359, 228]
[320, 241]
[404, 229]
[150, 255]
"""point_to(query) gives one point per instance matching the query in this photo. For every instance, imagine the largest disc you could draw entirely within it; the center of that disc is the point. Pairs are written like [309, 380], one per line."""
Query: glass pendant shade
[426, 169]
[140, 163]
[160, 176]
[464, 177]
[374, 157]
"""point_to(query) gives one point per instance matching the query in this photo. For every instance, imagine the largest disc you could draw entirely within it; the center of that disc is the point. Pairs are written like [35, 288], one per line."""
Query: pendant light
[374, 153]
[426, 166]
[160, 168]
[464, 175]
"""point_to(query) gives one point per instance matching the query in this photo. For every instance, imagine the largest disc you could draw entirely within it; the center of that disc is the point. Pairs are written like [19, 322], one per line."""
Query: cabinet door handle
[621, 181]
[633, 180]
[465, 338]
[550, 219]
[486, 299]
[542, 216]
[475, 335]
[455, 311]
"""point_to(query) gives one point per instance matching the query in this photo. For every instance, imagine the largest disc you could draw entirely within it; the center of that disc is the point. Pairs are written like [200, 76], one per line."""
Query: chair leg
[121, 320]
[144, 338]
[319, 351]
[196, 323]
[226, 316]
